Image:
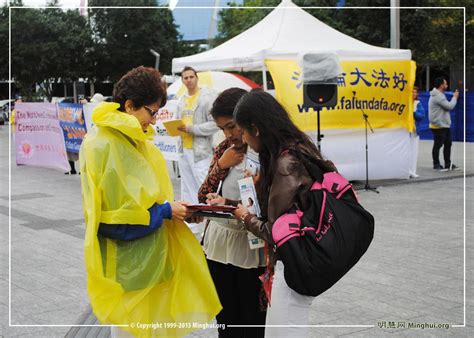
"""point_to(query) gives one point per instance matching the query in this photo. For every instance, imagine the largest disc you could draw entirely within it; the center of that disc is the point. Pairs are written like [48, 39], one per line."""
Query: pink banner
[39, 138]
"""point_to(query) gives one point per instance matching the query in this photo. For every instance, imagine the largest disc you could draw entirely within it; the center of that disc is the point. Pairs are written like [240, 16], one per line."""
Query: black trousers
[73, 167]
[442, 138]
[239, 291]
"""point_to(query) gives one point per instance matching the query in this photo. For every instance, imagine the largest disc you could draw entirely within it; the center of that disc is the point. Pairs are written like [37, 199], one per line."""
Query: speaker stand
[367, 125]
[320, 136]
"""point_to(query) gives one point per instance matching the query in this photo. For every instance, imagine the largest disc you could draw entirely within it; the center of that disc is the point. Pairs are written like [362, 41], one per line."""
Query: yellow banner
[381, 89]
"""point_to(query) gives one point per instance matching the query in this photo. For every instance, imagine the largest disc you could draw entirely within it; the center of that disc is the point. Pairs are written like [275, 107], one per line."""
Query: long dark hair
[277, 133]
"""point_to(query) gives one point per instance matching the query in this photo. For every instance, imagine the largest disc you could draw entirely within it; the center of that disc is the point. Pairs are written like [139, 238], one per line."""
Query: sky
[194, 24]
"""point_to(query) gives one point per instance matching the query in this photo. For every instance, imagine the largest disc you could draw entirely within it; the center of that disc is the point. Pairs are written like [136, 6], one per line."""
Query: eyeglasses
[151, 111]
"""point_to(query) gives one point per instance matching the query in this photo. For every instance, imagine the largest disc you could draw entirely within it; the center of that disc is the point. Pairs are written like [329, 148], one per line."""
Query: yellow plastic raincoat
[158, 285]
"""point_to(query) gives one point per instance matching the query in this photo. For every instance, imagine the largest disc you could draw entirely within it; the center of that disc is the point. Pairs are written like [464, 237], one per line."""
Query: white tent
[287, 32]
[284, 33]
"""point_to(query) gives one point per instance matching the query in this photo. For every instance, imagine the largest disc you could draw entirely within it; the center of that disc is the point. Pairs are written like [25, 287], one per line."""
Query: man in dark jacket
[440, 123]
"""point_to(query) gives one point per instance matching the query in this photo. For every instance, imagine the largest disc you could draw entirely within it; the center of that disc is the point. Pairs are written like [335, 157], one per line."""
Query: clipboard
[212, 211]
[172, 127]
[213, 215]
[212, 208]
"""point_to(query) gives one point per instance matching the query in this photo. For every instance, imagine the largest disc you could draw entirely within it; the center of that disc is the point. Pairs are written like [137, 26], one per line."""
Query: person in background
[283, 183]
[234, 266]
[96, 98]
[72, 158]
[440, 123]
[143, 263]
[198, 127]
[418, 115]
[13, 114]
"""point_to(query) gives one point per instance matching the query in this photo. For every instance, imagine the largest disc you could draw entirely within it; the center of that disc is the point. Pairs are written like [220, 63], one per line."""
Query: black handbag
[321, 244]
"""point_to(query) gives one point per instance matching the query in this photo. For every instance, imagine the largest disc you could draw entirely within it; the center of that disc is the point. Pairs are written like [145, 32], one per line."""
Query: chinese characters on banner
[38, 136]
[382, 89]
[72, 122]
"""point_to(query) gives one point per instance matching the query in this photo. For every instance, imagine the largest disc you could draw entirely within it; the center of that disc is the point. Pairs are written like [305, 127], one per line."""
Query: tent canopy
[283, 34]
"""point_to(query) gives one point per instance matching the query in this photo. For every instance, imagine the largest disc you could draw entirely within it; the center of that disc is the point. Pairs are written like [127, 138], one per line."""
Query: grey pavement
[412, 273]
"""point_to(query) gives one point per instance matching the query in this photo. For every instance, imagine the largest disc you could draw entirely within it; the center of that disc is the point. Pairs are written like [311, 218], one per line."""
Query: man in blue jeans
[440, 123]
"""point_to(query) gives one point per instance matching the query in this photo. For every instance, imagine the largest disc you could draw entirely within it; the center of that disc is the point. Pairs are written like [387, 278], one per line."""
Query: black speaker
[320, 95]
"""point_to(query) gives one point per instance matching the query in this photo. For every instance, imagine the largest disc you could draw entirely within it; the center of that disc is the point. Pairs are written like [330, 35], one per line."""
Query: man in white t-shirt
[199, 127]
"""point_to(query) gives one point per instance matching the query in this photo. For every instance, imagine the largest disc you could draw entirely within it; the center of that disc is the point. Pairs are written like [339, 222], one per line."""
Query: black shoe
[68, 173]
[439, 167]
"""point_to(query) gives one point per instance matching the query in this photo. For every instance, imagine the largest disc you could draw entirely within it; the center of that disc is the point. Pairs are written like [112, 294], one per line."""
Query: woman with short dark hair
[144, 266]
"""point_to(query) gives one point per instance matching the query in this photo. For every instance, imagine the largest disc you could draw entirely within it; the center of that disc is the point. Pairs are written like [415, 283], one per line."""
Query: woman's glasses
[151, 111]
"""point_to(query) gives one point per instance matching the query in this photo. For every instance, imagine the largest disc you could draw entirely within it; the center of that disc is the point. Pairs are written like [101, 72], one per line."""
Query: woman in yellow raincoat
[145, 270]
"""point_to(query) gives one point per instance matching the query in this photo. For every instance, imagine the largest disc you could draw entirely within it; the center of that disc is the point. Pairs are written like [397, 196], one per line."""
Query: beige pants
[287, 308]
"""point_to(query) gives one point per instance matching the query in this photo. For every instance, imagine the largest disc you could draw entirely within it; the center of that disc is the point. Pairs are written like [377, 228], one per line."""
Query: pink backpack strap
[316, 186]
[334, 182]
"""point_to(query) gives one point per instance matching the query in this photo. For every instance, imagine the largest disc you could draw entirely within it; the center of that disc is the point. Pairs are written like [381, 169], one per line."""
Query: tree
[237, 19]
[48, 45]
[360, 24]
[4, 42]
[433, 36]
[123, 37]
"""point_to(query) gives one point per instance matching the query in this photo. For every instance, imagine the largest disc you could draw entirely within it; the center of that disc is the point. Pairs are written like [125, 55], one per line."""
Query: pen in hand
[213, 198]
[219, 188]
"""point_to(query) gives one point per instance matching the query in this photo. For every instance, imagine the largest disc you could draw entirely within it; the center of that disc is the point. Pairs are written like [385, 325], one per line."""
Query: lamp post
[395, 24]
[157, 55]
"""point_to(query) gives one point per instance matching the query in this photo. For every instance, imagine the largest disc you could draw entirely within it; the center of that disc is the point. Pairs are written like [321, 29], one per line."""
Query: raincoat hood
[106, 114]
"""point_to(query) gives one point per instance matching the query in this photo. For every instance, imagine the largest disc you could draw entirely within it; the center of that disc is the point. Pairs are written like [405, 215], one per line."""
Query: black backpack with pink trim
[321, 244]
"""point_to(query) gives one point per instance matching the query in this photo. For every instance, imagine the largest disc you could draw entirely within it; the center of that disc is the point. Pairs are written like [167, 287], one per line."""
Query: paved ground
[412, 273]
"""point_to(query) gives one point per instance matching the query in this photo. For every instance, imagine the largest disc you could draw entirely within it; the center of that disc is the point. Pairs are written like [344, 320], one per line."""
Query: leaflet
[253, 164]
[172, 127]
[248, 196]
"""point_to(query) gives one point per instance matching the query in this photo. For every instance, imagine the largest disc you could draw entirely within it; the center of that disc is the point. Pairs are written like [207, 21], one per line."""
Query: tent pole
[264, 78]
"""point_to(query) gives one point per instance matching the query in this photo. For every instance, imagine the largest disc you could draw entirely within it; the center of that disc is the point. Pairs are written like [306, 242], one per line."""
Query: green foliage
[47, 45]
[4, 43]
[52, 45]
[371, 26]
[238, 19]
[433, 35]
[124, 37]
